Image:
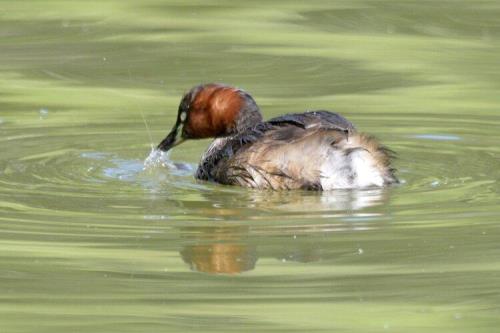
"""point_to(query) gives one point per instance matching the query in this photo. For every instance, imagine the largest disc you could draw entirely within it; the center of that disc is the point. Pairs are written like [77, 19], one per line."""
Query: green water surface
[90, 242]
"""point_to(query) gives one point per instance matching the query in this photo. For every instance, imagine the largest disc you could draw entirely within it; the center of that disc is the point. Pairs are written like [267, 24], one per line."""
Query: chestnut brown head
[212, 110]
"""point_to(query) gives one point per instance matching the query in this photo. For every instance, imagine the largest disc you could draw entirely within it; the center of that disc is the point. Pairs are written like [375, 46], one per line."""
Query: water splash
[161, 159]
[158, 158]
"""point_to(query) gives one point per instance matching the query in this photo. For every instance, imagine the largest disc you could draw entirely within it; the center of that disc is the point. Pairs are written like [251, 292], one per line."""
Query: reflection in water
[339, 202]
[220, 258]
[229, 249]
[222, 251]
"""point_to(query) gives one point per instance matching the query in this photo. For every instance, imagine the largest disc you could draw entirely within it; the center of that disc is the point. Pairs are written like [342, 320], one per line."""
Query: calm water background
[90, 242]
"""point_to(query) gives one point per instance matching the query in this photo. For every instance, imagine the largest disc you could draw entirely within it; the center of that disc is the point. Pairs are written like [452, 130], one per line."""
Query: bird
[314, 150]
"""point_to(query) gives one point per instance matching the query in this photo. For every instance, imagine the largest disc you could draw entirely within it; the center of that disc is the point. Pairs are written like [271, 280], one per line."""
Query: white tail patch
[344, 169]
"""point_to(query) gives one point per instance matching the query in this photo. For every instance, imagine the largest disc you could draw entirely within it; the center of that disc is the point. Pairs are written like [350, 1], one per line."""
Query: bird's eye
[183, 116]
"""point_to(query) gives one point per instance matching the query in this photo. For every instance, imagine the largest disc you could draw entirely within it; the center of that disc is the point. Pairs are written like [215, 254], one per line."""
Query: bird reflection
[222, 251]
[340, 201]
[230, 249]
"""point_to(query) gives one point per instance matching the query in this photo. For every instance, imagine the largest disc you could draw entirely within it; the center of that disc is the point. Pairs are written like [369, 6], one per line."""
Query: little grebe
[316, 150]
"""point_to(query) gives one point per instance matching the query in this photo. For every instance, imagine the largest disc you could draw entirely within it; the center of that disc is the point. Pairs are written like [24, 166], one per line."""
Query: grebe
[315, 150]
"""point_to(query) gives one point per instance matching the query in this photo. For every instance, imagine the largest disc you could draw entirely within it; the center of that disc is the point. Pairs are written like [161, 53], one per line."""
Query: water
[93, 241]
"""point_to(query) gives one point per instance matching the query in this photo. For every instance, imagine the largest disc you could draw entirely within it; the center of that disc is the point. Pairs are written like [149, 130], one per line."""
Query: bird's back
[314, 150]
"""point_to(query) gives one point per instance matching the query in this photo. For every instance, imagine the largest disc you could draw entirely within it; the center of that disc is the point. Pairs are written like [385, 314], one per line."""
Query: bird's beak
[173, 139]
